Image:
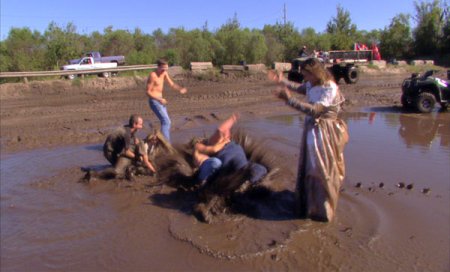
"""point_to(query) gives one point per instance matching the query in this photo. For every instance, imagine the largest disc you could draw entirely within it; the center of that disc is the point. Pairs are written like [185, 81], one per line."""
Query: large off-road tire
[425, 102]
[444, 105]
[351, 75]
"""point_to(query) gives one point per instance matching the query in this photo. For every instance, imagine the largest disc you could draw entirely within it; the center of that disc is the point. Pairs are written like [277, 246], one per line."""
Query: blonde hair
[315, 67]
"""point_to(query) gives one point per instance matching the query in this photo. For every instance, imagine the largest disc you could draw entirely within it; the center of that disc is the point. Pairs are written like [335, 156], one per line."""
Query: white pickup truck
[88, 63]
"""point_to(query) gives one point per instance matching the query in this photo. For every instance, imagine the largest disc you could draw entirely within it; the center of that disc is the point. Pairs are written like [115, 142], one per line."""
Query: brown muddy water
[393, 214]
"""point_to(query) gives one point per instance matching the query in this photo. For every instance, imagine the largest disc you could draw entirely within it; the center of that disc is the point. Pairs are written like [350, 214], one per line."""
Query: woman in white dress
[321, 165]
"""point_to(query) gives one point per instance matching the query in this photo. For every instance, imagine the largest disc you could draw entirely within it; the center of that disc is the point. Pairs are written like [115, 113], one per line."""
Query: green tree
[232, 43]
[430, 25]
[23, 50]
[446, 33]
[276, 51]
[342, 30]
[256, 48]
[117, 42]
[62, 45]
[396, 40]
[144, 51]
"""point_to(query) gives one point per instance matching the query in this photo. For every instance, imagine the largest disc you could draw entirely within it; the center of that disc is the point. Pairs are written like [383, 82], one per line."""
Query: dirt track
[55, 113]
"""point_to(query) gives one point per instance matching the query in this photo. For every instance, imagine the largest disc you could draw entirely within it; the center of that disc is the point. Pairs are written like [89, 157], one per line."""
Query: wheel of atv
[105, 74]
[351, 75]
[425, 102]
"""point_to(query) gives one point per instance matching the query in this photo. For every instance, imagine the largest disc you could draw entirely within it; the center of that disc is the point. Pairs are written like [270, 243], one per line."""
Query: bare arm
[175, 86]
[129, 154]
[211, 149]
[147, 163]
[292, 86]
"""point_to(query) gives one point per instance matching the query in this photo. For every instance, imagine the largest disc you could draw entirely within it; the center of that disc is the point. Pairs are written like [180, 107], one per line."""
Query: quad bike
[422, 92]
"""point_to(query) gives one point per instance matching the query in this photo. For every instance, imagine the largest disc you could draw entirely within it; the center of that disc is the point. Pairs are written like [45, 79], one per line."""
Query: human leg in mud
[120, 170]
[126, 167]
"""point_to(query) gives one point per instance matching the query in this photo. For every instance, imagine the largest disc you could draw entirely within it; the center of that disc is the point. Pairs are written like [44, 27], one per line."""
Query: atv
[422, 92]
[347, 71]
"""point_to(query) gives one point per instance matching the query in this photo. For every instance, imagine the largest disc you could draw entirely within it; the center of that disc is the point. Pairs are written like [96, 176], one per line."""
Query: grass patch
[422, 68]
[77, 82]
[209, 75]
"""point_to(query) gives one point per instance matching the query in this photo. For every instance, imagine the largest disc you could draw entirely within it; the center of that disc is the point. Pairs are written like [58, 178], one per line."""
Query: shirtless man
[155, 87]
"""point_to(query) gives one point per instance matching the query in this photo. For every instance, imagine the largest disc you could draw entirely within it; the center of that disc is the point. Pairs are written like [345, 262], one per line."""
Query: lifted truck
[88, 63]
[421, 92]
[341, 64]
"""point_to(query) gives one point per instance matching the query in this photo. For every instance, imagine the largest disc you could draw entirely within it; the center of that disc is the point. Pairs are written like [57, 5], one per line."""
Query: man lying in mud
[220, 167]
[124, 150]
[220, 152]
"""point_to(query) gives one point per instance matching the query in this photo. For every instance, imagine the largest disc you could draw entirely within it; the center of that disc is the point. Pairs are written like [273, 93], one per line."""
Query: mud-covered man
[123, 149]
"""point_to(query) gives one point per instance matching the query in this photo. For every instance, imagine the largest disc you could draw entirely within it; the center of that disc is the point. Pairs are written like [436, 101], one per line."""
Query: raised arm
[310, 109]
[211, 149]
[278, 77]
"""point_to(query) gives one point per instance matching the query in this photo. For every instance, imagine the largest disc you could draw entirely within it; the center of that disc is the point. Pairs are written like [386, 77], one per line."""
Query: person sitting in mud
[122, 149]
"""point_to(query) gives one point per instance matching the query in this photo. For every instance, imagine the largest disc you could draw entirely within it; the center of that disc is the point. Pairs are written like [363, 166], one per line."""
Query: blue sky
[95, 15]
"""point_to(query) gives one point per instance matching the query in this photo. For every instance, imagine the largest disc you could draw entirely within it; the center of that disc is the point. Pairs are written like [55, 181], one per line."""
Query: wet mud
[392, 214]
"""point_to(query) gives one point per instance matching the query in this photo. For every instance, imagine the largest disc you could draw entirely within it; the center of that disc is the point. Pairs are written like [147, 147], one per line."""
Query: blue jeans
[208, 168]
[161, 112]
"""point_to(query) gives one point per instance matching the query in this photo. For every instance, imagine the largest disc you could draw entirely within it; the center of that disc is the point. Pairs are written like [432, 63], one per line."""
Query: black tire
[425, 102]
[351, 75]
[444, 105]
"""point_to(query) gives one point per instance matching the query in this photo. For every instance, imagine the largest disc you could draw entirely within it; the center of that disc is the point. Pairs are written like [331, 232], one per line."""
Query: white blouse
[324, 94]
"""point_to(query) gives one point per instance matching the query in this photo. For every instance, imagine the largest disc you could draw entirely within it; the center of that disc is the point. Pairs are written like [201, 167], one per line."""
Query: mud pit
[51, 222]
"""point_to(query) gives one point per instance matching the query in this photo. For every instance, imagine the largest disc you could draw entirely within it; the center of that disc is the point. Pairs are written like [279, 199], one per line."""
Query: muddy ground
[60, 112]
[50, 222]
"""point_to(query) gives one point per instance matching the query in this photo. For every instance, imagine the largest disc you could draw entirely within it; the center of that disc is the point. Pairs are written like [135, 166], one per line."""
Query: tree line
[26, 50]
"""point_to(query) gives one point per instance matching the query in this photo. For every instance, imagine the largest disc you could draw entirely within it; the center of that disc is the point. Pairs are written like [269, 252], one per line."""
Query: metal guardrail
[75, 72]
